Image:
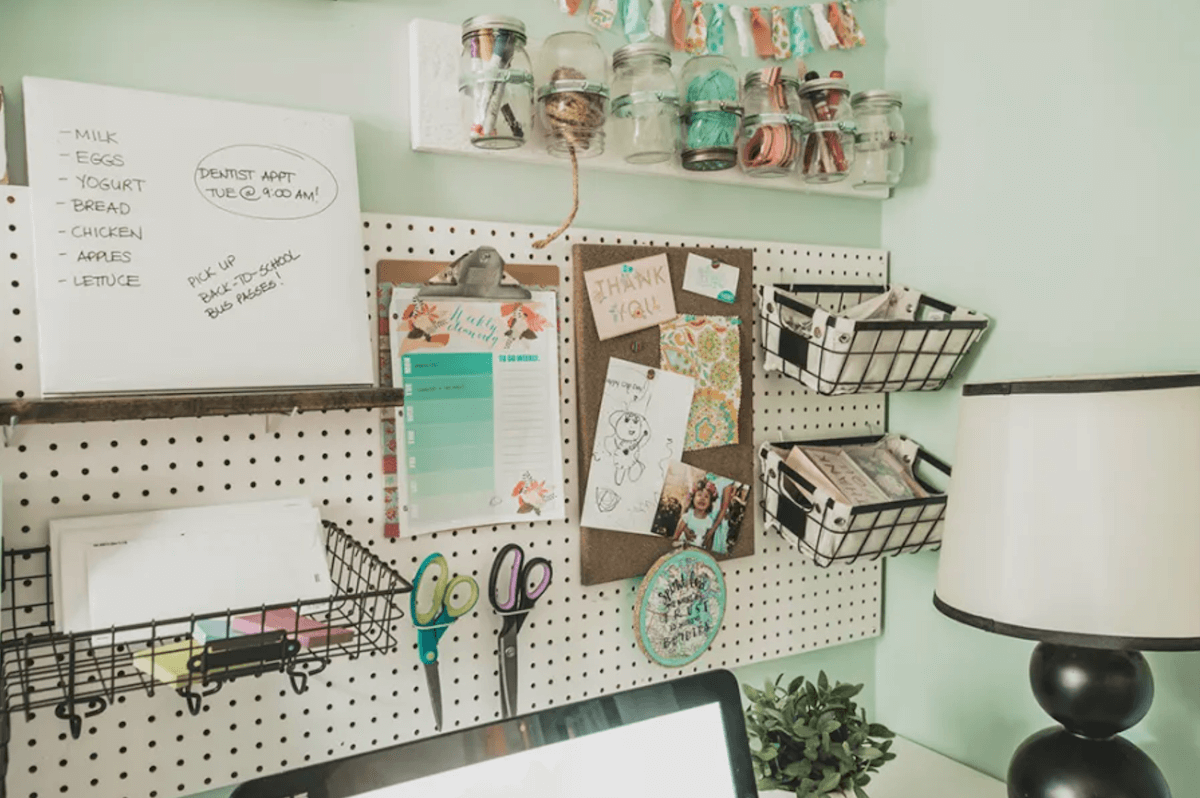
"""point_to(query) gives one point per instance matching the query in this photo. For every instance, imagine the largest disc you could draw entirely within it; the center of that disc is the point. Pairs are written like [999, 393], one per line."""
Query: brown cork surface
[606, 555]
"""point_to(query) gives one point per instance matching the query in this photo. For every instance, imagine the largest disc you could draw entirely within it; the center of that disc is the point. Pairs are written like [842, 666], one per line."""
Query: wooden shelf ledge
[125, 408]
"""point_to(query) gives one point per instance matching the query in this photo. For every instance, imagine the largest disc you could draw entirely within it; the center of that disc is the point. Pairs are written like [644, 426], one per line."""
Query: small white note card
[627, 297]
[711, 278]
[643, 421]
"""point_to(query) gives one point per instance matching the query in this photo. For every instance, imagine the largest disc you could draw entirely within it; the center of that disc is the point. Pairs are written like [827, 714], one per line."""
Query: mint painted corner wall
[1051, 186]
[350, 57]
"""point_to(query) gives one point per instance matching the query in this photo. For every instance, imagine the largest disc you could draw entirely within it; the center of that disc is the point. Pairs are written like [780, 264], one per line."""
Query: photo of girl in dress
[701, 509]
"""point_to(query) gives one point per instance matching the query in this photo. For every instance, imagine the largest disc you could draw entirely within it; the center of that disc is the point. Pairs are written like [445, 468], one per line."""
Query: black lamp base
[1095, 694]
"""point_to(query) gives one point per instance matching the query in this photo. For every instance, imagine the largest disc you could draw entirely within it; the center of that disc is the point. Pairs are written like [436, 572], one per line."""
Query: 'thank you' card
[630, 296]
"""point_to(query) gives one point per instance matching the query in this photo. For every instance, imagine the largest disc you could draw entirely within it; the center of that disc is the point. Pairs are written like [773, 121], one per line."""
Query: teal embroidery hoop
[690, 585]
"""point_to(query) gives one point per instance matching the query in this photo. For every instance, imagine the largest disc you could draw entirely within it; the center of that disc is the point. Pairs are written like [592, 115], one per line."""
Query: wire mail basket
[912, 342]
[831, 532]
[79, 675]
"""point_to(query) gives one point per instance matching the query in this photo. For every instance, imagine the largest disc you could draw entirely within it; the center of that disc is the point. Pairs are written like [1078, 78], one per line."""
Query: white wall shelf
[434, 49]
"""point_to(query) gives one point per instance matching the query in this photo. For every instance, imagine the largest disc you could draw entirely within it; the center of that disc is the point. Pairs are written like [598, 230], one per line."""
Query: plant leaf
[751, 693]
[802, 731]
[829, 782]
[868, 754]
[879, 730]
[795, 684]
[859, 793]
[823, 682]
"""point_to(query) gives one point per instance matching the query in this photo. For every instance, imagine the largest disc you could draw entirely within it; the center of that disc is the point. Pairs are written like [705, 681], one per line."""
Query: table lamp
[1074, 520]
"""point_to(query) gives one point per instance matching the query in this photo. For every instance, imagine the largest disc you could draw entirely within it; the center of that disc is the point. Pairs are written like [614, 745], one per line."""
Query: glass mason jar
[710, 113]
[772, 123]
[880, 141]
[829, 143]
[645, 105]
[495, 82]
[572, 75]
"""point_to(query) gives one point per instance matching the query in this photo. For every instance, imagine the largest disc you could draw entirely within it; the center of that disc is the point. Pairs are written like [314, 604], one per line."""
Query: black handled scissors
[513, 591]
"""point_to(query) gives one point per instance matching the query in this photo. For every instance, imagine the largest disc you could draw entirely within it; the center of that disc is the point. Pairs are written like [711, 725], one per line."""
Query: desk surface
[918, 772]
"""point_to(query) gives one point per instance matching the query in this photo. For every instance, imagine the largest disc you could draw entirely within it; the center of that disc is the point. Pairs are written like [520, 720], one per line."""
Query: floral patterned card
[478, 439]
[708, 349]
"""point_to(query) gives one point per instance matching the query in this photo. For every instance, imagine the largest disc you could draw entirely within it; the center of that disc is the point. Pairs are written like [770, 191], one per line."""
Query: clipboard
[392, 273]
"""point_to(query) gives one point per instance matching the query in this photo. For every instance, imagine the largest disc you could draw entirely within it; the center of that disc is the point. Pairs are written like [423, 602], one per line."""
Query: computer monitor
[682, 737]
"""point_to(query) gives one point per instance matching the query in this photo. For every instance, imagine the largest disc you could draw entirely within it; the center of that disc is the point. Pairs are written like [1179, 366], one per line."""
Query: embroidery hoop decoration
[649, 631]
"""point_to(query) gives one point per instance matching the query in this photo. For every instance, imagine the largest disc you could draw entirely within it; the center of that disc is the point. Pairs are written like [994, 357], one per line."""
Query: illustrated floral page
[708, 349]
[478, 437]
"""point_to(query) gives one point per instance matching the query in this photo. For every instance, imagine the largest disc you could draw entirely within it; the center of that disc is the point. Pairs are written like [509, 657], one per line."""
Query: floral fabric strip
[603, 13]
[781, 34]
[708, 349]
[697, 36]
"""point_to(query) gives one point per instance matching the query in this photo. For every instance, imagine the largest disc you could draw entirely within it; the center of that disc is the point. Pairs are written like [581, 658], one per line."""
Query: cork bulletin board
[606, 555]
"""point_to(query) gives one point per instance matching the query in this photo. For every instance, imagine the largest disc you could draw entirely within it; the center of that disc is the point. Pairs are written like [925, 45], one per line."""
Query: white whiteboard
[184, 244]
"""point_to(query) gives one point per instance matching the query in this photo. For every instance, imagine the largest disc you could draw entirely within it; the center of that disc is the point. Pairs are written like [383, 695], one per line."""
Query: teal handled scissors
[433, 613]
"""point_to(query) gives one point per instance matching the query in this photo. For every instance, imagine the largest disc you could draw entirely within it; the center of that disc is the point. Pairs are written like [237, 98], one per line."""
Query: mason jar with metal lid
[710, 113]
[829, 144]
[495, 82]
[572, 75]
[772, 125]
[645, 105]
[880, 140]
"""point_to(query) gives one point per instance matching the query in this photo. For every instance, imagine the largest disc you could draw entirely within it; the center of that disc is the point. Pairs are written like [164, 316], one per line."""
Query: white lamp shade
[1074, 512]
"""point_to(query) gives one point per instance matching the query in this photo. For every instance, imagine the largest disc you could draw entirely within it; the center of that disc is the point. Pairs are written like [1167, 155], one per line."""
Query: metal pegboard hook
[11, 432]
[272, 420]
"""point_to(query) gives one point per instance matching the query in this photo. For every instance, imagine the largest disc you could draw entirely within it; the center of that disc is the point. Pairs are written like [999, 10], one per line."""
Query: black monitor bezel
[718, 686]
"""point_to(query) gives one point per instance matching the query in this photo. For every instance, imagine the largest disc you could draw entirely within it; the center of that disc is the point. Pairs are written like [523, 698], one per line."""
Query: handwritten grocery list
[190, 244]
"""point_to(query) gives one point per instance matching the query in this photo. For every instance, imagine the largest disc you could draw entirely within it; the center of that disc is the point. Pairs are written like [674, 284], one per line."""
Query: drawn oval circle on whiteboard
[679, 607]
[265, 181]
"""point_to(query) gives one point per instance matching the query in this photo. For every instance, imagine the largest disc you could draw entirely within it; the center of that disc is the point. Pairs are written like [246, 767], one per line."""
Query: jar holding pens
[829, 145]
[495, 82]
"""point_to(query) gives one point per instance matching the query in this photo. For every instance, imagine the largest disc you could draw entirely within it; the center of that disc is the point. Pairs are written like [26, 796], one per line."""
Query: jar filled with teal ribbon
[710, 114]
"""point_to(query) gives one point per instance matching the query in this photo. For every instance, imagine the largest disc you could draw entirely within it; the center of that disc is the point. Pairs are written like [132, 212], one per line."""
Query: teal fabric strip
[636, 29]
[716, 29]
[801, 42]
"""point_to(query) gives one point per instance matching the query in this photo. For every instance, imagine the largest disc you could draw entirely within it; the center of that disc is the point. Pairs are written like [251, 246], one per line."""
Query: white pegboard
[577, 644]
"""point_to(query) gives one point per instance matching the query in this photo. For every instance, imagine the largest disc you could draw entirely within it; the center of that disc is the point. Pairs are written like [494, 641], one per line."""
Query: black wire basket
[805, 338]
[831, 532]
[81, 674]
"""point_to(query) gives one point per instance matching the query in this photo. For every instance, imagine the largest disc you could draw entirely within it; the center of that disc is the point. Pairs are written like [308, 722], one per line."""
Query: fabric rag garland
[637, 28]
[678, 26]
[777, 33]
[603, 13]
[697, 35]
[716, 30]
[657, 18]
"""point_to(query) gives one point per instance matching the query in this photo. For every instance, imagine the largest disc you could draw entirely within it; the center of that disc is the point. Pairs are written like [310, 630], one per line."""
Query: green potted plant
[812, 740]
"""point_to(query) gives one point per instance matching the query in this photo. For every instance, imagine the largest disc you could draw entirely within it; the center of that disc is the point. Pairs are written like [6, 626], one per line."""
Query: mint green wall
[1052, 187]
[349, 57]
